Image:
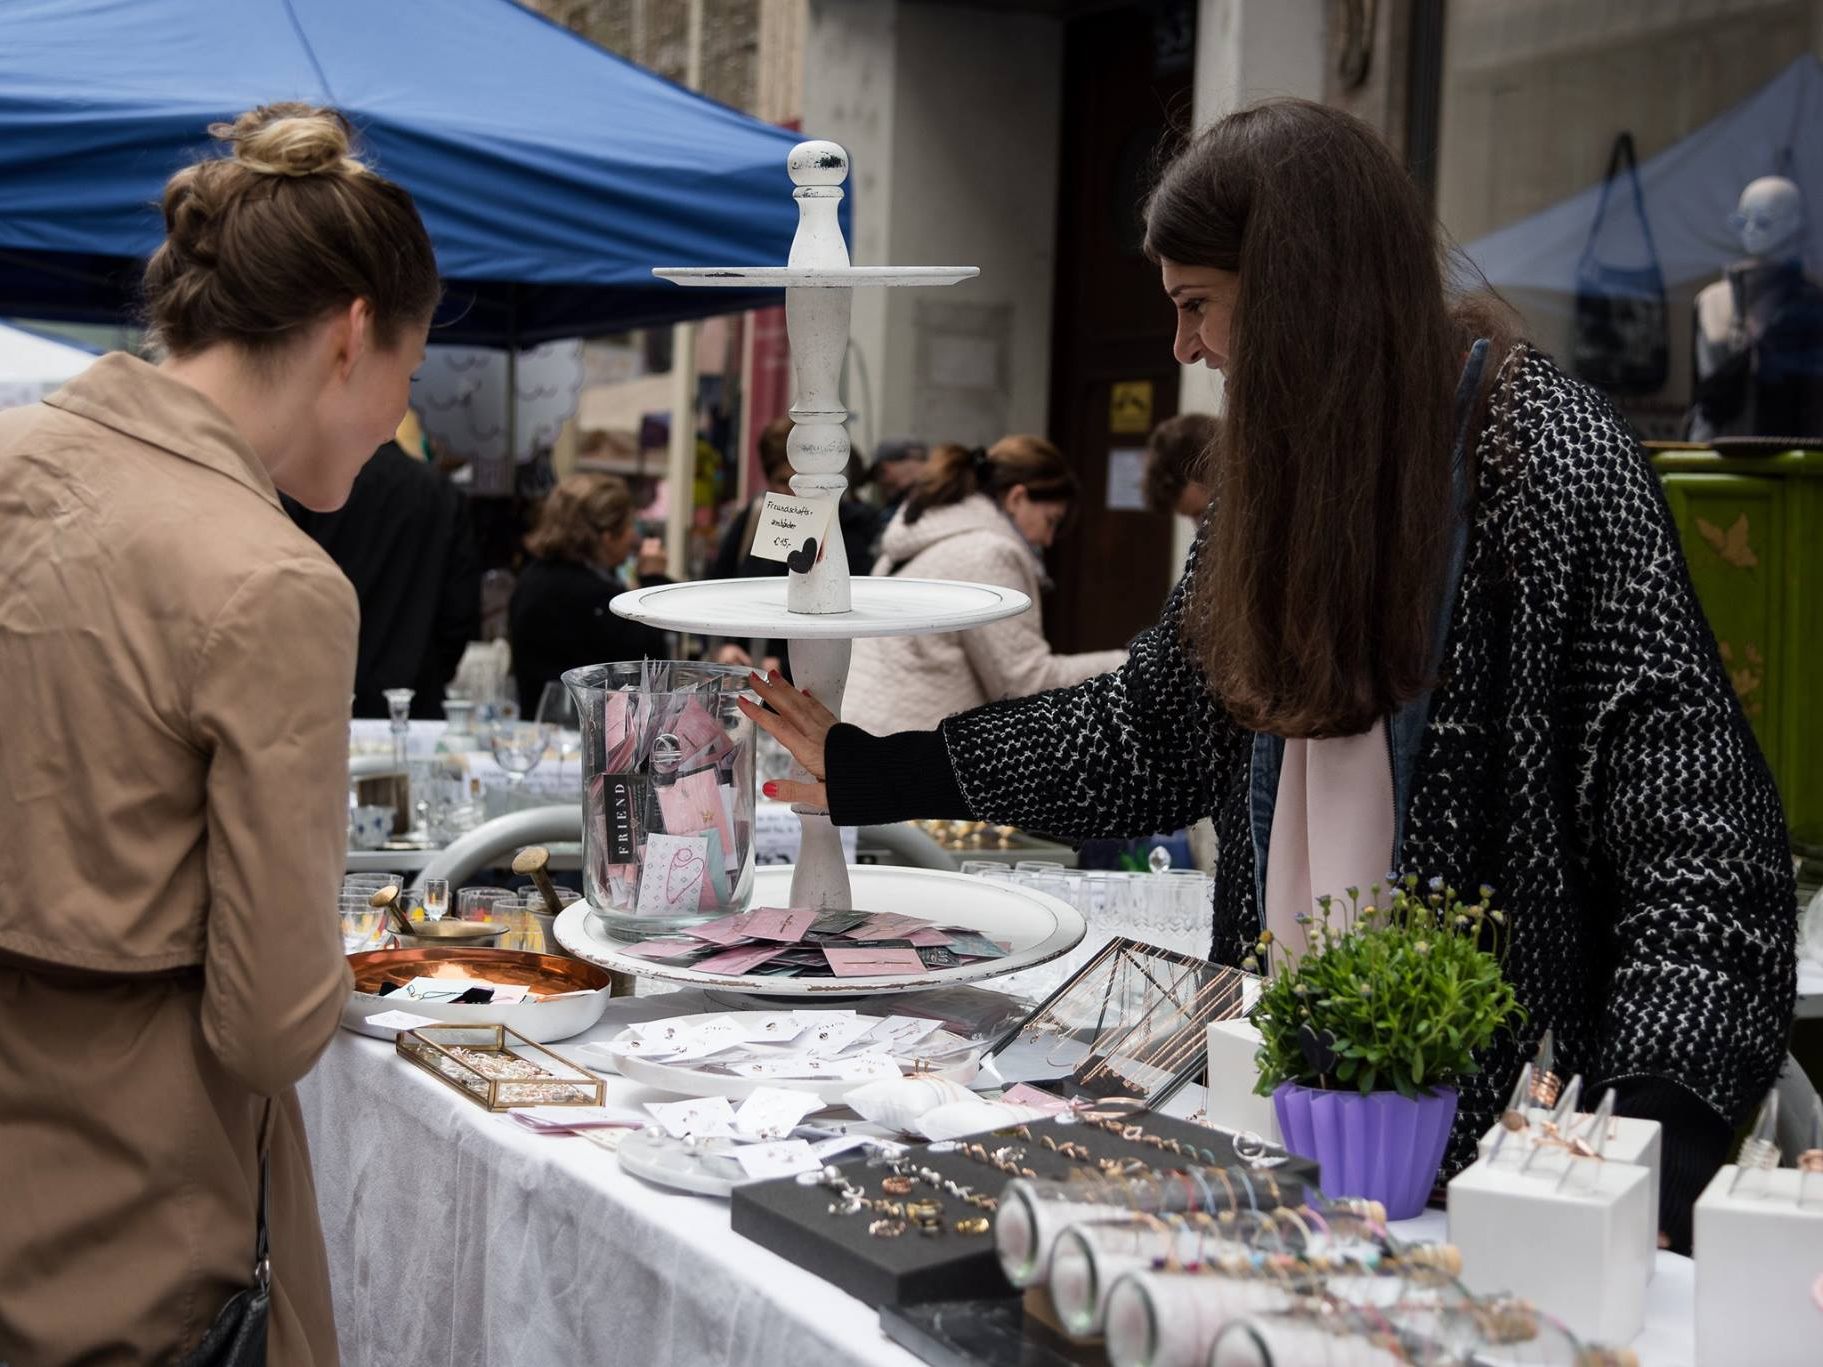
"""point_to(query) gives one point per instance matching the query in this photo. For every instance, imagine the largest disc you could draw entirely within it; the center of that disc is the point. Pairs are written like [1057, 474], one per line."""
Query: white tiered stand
[821, 612]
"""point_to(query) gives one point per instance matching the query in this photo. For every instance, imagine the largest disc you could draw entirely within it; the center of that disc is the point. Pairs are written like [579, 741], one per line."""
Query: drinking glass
[363, 926]
[476, 904]
[517, 747]
[978, 867]
[435, 898]
[557, 710]
[1037, 866]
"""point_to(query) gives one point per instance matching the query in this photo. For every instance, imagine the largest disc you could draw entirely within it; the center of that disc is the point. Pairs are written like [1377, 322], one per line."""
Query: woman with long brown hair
[178, 659]
[987, 517]
[1437, 621]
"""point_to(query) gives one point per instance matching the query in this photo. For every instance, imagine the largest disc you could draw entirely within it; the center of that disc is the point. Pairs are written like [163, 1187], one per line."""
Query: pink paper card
[888, 926]
[786, 924]
[870, 963]
[729, 930]
[924, 939]
[662, 949]
[693, 805]
[700, 734]
[739, 960]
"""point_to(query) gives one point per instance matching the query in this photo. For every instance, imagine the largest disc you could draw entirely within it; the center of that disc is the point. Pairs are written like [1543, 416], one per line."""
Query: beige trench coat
[175, 666]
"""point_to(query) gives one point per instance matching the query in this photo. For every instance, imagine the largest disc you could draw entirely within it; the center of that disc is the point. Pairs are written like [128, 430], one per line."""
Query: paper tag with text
[793, 530]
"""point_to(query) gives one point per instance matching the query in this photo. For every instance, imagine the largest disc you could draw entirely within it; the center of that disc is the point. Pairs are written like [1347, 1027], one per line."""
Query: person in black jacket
[404, 541]
[559, 617]
[1423, 528]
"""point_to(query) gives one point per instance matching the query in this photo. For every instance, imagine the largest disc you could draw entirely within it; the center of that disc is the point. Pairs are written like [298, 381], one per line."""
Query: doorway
[1127, 84]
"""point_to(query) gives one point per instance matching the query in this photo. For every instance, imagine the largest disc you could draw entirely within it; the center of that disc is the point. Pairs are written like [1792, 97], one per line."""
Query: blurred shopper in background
[404, 541]
[897, 465]
[559, 618]
[988, 517]
[1177, 452]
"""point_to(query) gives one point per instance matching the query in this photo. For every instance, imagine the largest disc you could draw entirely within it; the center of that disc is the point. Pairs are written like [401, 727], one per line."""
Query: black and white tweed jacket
[1585, 755]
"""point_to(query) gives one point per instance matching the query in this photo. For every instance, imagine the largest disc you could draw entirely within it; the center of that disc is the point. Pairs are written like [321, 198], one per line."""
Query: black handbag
[1621, 343]
[238, 1336]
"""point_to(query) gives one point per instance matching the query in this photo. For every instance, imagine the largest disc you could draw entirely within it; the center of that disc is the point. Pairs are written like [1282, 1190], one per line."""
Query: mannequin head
[1770, 218]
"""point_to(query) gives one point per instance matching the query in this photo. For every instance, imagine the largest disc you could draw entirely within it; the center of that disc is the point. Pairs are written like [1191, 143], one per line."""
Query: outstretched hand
[800, 723]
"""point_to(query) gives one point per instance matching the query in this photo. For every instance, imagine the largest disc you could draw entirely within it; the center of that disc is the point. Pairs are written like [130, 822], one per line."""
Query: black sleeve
[727, 562]
[459, 600]
[876, 780]
[1123, 754]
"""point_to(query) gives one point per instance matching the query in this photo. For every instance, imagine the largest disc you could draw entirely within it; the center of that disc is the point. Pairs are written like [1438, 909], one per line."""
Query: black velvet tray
[793, 1220]
[987, 1333]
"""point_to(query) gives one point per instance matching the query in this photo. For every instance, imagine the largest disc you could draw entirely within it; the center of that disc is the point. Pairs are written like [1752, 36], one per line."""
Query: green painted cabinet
[1752, 529]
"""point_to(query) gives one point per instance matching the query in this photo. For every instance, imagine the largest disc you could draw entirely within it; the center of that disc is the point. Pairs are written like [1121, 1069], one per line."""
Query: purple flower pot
[1379, 1146]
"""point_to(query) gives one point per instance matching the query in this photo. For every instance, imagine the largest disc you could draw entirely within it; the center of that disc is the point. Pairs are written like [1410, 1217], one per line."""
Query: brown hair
[775, 455]
[953, 472]
[1316, 587]
[262, 243]
[575, 513]
[1177, 454]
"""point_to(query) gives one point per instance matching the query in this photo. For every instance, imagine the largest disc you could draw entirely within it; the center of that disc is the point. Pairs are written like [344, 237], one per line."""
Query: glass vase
[668, 779]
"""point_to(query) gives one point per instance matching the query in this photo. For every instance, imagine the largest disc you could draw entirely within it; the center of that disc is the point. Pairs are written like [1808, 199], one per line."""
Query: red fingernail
[770, 789]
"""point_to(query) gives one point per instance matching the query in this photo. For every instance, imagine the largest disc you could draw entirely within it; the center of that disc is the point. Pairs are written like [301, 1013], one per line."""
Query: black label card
[619, 794]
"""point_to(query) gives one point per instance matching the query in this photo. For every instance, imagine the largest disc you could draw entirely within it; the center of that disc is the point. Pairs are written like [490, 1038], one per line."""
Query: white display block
[1231, 1102]
[1759, 1259]
[1580, 1253]
[1630, 1140]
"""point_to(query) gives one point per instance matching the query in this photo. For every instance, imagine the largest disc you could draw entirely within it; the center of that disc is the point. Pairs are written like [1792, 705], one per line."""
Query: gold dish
[498, 1068]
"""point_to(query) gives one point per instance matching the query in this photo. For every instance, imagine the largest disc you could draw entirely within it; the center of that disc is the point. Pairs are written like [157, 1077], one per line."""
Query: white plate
[689, 1079]
[707, 1171]
[880, 606]
[813, 277]
[1038, 926]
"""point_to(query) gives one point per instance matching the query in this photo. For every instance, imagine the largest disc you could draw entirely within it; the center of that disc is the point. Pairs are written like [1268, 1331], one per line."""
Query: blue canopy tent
[552, 175]
[1689, 190]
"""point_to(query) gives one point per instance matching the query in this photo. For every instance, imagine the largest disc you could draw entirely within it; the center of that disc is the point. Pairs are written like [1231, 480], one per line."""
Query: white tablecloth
[456, 1237]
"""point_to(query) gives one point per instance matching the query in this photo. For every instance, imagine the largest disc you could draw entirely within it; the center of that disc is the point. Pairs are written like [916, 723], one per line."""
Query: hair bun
[291, 140]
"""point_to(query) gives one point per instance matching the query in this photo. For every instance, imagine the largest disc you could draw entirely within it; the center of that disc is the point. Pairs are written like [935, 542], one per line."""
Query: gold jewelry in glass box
[498, 1068]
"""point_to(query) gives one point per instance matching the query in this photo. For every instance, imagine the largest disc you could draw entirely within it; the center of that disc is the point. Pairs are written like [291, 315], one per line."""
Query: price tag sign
[793, 530]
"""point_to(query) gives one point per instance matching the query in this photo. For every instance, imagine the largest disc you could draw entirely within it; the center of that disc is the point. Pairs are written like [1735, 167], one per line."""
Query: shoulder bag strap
[1622, 158]
[262, 1260]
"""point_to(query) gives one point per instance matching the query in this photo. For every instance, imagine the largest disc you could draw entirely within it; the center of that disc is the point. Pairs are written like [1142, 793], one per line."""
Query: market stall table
[455, 1237]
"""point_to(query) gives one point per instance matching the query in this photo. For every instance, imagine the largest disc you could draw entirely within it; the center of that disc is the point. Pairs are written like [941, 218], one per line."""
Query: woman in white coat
[985, 516]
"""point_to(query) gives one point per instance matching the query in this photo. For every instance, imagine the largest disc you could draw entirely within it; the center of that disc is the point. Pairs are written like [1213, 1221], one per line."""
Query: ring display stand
[821, 611]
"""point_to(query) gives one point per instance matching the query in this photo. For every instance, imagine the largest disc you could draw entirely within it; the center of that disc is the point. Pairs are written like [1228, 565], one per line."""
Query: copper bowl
[574, 993]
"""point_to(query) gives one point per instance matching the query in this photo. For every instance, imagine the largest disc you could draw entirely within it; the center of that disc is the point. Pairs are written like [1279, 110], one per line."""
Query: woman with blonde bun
[177, 659]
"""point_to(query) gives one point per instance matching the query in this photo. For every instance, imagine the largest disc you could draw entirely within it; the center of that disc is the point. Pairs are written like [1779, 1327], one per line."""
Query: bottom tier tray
[1038, 927]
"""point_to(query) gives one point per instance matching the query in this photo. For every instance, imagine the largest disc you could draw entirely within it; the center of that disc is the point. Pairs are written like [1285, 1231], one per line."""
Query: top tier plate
[880, 607]
[813, 277]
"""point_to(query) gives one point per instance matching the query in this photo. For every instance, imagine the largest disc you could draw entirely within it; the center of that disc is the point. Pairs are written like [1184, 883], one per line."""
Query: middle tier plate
[884, 606]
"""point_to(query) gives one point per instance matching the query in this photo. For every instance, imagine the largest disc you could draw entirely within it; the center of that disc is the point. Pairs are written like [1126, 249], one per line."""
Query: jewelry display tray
[793, 1220]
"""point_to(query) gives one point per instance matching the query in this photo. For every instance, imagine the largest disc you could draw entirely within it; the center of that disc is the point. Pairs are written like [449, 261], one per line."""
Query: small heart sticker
[801, 560]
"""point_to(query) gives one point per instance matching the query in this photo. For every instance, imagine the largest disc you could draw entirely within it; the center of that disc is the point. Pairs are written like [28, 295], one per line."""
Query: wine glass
[517, 747]
[557, 710]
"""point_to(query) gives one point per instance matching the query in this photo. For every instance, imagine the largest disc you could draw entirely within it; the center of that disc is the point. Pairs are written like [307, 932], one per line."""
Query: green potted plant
[1363, 1037]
